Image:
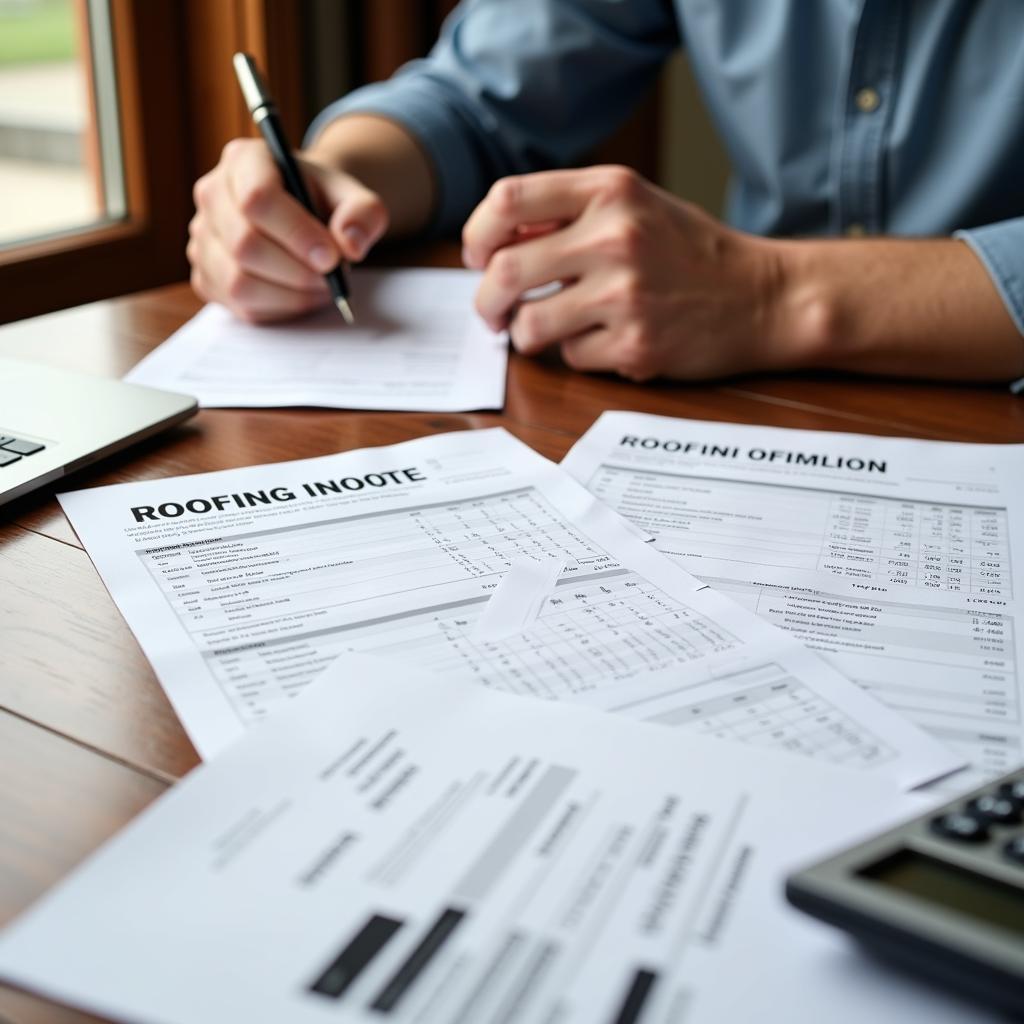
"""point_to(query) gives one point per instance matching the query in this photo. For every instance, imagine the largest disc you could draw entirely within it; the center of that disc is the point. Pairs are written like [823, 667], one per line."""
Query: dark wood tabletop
[87, 738]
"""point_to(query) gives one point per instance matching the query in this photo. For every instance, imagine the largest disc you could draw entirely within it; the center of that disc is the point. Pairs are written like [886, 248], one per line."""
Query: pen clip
[254, 88]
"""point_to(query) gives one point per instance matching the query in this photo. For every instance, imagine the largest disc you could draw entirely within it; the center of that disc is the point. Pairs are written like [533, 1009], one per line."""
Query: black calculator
[942, 894]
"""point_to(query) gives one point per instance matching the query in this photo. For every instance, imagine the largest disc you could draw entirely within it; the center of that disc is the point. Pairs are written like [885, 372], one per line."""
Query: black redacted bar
[404, 978]
[354, 958]
[636, 997]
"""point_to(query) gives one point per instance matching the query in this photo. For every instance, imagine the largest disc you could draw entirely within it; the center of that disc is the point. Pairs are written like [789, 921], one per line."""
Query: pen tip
[346, 310]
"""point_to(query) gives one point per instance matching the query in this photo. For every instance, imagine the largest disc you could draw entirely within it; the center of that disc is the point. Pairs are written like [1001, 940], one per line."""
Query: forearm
[387, 159]
[922, 308]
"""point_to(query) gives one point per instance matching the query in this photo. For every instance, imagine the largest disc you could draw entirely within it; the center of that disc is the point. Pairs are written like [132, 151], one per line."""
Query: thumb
[359, 217]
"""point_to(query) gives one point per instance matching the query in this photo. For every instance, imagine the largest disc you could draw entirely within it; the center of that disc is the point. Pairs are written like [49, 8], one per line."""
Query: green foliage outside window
[36, 31]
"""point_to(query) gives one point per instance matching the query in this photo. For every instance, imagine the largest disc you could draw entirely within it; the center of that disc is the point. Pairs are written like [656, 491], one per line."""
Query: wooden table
[87, 738]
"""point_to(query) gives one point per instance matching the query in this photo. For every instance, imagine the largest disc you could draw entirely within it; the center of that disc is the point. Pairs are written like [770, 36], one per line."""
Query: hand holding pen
[258, 251]
[264, 114]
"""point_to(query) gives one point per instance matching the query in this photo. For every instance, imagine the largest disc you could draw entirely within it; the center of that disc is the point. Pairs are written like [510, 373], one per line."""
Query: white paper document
[891, 557]
[243, 585]
[417, 345]
[401, 847]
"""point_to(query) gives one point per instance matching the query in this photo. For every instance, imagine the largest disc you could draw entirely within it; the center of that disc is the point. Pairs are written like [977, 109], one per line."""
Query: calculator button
[6, 458]
[1013, 791]
[967, 828]
[1014, 850]
[998, 809]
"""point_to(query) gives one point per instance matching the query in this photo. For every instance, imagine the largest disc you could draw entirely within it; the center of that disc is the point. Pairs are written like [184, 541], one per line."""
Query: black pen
[264, 114]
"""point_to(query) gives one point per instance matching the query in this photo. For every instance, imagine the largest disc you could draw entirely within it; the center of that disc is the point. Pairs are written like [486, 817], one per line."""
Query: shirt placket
[867, 116]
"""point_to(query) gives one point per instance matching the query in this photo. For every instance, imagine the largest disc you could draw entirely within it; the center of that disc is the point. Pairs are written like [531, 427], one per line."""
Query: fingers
[518, 268]
[219, 278]
[589, 351]
[623, 351]
[259, 251]
[254, 184]
[255, 252]
[541, 323]
[525, 199]
[359, 220]
[545, 227]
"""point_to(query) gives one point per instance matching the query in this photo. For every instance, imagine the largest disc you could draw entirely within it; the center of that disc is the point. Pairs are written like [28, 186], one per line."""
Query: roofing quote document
[417, 346]
[243, 585]
[898, 560]
[399, 847]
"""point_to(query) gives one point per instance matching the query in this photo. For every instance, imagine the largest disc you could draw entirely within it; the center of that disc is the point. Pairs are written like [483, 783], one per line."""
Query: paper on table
[417, 346]
[891, 557]
[518, 598]
[242, 585]
[422, 848]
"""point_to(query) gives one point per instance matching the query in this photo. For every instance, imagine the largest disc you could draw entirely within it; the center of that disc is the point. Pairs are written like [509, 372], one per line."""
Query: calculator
[942, 894]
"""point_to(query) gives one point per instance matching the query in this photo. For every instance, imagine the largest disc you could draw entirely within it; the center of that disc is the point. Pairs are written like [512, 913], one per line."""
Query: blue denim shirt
[900, 117]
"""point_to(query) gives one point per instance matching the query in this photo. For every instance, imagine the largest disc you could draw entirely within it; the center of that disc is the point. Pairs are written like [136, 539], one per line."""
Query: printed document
[400, 847]
[891, 557]
[417, 345]
[243, 585]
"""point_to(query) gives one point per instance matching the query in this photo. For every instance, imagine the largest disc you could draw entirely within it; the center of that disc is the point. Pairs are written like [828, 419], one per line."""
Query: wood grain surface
[87, 737]
[58, 802]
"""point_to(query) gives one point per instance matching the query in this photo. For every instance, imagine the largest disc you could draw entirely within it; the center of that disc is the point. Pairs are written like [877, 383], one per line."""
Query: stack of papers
[398, 846]
[243, 585]
[412, 838]
[891, 557]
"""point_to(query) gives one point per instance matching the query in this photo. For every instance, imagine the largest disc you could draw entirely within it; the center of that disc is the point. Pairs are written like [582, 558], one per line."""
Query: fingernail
[358, 239]
[322, 258]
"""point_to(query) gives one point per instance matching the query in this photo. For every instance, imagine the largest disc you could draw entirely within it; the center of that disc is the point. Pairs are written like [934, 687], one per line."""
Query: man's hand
[652, 286]
[258, 251]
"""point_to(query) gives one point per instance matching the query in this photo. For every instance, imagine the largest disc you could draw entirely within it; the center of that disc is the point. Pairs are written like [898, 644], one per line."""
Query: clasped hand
[651, 286]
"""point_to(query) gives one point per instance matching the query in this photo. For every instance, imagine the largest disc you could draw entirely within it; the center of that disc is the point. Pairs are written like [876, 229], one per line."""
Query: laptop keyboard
[13, 448]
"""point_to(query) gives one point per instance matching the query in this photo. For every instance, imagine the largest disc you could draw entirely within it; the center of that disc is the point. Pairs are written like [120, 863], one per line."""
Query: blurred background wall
[692, 162]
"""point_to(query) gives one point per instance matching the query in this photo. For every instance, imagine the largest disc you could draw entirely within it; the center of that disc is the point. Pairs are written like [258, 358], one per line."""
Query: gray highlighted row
[508, 843]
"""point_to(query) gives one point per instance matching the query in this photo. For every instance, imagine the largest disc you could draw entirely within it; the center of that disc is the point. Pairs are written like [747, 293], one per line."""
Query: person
[875, 218]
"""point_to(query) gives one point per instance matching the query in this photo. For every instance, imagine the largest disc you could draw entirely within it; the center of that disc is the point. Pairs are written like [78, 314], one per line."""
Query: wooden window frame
[177, 104]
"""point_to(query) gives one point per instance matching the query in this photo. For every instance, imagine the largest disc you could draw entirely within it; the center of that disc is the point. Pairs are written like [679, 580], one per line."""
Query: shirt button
[867, 100]
[855, 231]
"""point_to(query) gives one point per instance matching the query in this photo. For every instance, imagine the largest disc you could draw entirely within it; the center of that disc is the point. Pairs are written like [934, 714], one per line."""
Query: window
[152, 100]
[60, 159]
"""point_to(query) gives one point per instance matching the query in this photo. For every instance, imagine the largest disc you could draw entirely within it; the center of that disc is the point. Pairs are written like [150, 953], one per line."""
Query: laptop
[54, 422]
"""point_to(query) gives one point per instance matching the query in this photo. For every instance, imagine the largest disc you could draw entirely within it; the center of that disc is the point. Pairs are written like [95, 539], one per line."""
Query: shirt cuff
[436, 123]
[1000, 247]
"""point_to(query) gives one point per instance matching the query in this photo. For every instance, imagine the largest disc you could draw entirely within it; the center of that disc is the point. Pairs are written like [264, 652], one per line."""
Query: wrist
[380, 154]
[332, 148]
[806, 321]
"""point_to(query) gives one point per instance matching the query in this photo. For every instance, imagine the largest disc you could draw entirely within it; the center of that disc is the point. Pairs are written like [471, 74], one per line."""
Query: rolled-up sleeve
[1000, 247]
[512, 87]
